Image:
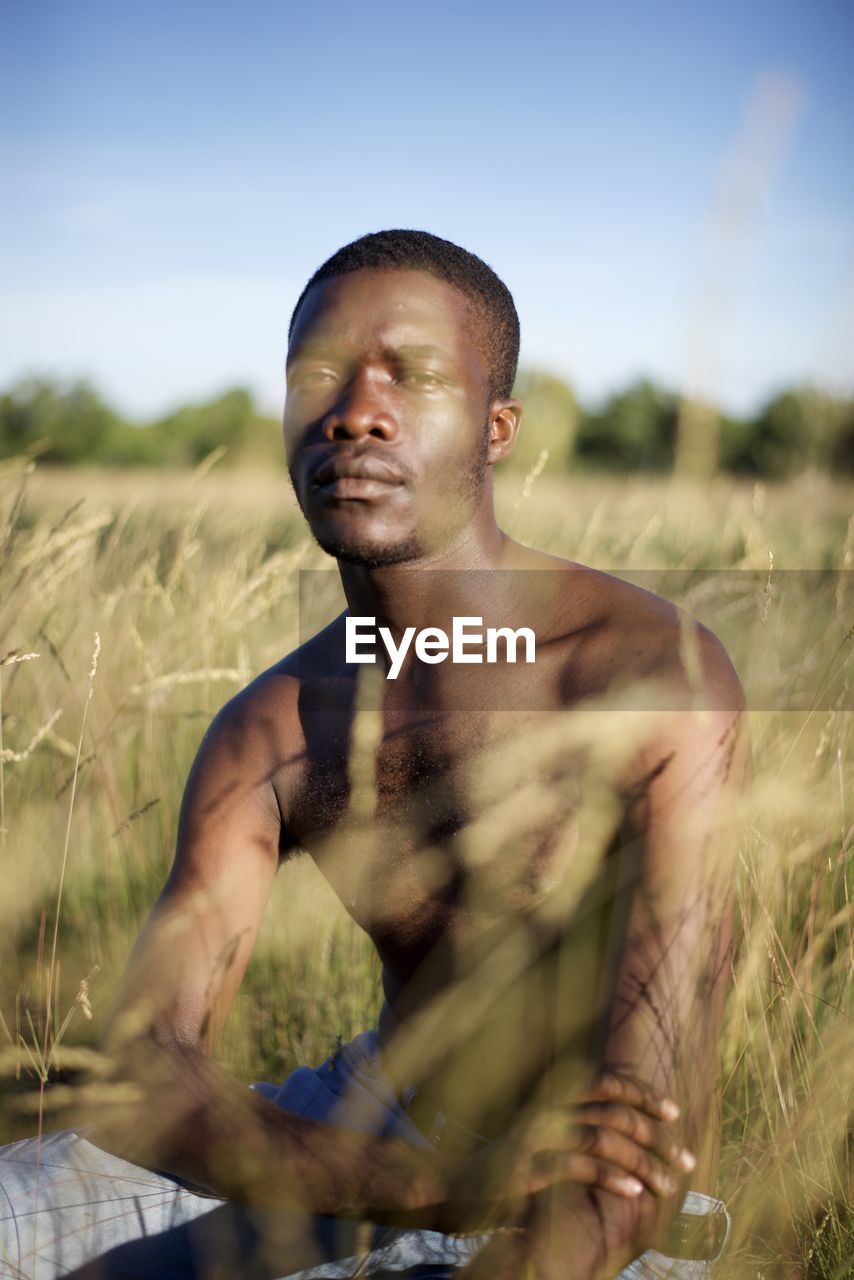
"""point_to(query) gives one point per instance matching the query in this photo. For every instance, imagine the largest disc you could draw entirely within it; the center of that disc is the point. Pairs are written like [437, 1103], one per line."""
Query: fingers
[605, 1158]
[606, 1143]
[558, 1131]
[615, 1145]
[642, 1129]
[610, 1087]
[552, 1167]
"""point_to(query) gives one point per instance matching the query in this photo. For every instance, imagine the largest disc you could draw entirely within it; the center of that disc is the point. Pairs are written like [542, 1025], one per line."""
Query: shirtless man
[553, 974]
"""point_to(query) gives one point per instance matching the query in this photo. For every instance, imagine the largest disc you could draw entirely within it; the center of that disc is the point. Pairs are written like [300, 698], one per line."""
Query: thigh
[63, 1201]
[654, 1266]
[69, 1209]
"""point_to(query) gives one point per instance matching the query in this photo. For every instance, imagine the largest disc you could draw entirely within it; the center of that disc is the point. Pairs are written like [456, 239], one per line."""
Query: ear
[504, 416]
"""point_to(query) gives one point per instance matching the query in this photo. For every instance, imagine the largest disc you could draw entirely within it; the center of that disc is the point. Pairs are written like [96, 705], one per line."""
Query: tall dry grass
[131, 608]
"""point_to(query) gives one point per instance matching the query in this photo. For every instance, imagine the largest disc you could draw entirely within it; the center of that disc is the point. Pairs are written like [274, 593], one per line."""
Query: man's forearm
[574, 1233]
[180, 1113]
[598, 1231]
[183, 1115]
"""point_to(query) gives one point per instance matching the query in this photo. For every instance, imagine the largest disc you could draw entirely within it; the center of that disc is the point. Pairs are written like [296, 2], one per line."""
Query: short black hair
[421, 251]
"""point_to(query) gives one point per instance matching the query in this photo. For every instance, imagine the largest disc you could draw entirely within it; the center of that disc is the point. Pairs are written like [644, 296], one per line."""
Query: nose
[359, 412]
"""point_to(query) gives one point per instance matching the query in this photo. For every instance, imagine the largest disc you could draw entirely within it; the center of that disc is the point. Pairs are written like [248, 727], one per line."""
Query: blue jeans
[69, 1209]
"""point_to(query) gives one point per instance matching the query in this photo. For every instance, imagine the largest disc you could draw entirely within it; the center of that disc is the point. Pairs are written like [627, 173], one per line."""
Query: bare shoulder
[253, 728]
[634, 649]
[252, 757]
[628, 634]
[696, 752]
[262, 722]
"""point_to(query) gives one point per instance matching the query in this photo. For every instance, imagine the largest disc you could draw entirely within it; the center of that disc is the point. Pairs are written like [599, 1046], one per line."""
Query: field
[191, 585]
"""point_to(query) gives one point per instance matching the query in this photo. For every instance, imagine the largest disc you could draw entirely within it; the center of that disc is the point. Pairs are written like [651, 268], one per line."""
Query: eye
[420, 378]
[310, 378]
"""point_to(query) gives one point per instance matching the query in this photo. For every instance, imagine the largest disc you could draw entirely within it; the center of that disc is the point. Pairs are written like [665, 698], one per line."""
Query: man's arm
[177, 1111]
[668, 1006]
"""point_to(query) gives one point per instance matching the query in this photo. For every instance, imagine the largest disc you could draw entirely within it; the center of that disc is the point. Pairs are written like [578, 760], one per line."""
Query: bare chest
[439, 829]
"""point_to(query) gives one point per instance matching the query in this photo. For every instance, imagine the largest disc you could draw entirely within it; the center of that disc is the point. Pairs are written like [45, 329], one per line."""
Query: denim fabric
[69, 1209]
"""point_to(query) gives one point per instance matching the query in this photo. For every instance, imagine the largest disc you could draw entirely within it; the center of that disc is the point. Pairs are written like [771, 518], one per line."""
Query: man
[539, 851]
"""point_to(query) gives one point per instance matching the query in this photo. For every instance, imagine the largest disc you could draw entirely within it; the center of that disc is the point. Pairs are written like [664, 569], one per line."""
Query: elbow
[143, 1027]
[155, 1058]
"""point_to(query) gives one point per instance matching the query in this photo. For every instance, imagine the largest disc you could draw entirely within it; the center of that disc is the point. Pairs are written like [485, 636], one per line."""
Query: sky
[667, 188]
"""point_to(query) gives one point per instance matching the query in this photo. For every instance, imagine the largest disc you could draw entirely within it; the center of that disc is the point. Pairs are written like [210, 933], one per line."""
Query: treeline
[69, 424]
[641, 428]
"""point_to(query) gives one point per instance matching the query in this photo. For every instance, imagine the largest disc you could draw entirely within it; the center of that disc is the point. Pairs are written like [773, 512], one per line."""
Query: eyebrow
[310, 349]
[414, 352]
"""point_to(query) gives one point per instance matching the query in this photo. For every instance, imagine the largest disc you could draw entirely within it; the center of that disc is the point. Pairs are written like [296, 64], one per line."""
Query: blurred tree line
[69, 424]
[635, 429]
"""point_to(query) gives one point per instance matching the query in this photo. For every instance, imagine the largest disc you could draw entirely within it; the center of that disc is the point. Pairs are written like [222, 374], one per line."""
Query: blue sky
[667, 188]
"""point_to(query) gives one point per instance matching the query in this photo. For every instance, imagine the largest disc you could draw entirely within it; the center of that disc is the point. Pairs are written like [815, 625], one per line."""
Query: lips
[356, 475]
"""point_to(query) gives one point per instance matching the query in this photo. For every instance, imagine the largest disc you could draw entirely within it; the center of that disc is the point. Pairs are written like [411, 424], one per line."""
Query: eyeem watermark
[432, 644]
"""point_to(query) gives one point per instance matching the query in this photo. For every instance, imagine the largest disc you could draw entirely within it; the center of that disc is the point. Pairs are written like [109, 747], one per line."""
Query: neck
[433, 588]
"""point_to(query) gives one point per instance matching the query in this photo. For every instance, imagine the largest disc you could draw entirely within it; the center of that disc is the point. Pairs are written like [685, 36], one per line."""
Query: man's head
[402, 354]
[491, 302]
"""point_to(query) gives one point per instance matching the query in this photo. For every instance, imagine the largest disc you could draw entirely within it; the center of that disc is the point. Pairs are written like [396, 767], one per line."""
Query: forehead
[388, 307]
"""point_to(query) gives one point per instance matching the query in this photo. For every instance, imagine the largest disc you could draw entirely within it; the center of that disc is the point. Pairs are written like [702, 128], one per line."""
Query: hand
[620, 1138]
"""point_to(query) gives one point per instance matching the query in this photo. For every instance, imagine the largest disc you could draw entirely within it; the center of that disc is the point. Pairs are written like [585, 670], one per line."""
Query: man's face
[385, 420]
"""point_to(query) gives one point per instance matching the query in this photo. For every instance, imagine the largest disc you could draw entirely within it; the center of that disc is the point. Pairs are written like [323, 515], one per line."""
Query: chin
[369, 553]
